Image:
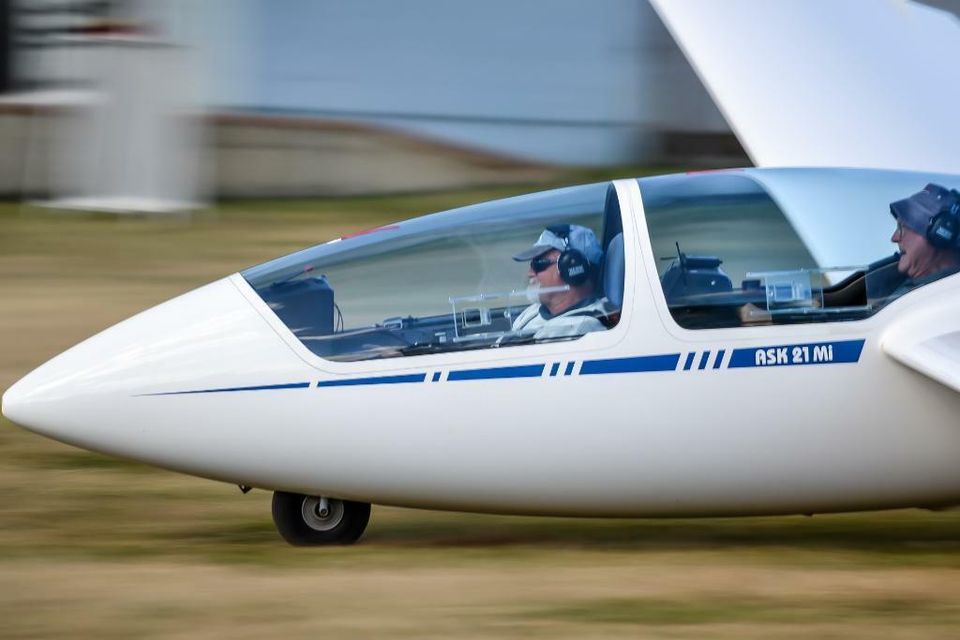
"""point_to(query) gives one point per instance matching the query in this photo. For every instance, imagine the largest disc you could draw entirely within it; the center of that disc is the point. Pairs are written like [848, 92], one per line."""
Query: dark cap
[571, 236]
[918, 210]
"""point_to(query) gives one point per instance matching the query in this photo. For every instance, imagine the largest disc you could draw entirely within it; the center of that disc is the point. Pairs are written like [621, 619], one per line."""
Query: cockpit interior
[444, 282]
[732, 249]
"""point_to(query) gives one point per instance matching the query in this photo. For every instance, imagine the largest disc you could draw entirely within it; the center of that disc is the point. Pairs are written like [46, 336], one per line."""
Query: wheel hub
[321, 514]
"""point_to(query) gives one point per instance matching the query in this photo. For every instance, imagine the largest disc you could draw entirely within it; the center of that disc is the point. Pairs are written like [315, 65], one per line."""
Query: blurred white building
[526, 83]
[566, 81]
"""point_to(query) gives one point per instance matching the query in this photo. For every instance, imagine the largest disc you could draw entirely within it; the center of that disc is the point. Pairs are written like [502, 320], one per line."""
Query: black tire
[301, 524]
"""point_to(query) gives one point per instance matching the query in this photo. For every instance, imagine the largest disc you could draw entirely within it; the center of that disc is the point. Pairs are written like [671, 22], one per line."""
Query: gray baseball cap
[561, 237]
[918, 210]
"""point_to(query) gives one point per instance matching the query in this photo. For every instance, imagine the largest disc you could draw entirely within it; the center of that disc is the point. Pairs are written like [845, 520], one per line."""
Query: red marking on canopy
[690, 173]
[368, 231]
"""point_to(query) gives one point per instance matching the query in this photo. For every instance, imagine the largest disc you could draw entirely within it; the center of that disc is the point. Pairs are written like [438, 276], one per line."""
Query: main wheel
[311, 520]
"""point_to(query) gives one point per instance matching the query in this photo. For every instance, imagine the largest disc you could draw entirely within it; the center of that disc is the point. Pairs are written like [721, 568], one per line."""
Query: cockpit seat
[613, 271]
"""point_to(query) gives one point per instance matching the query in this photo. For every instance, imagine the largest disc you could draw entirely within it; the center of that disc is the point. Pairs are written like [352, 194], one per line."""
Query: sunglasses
[540, 263]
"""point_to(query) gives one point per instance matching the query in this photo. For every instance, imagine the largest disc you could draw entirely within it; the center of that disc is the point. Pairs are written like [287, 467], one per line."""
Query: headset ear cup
[560, 230]
[943, 229]
[573, 267]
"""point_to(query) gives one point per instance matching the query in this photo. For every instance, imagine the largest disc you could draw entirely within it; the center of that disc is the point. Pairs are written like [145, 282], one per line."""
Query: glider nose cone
[28, 401]
[93, 395]
[14, 403]
[41, 400]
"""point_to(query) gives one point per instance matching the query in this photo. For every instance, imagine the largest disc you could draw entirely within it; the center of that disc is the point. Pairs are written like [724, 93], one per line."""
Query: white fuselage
[212, 384]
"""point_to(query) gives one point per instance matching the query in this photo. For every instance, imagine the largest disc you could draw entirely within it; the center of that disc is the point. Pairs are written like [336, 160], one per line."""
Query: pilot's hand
[515, 337]
[752, 315]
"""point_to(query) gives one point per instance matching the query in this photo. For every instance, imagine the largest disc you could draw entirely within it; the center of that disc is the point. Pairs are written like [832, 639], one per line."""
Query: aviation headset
[944, 228]
[573, 266]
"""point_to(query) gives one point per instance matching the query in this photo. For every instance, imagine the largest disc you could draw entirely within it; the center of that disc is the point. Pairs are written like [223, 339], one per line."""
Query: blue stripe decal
[569, 369]
[689, 362]
[554, 369]
[797, 354]
[263, 387]
[703, 360]
[666, 362]
[436, 376]
[719, 361]
[413, 377]
[527, 371]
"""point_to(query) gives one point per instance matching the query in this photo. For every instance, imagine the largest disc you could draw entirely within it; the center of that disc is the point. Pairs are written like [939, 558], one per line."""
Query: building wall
[491, 92]
[253, 156]
[560, 81]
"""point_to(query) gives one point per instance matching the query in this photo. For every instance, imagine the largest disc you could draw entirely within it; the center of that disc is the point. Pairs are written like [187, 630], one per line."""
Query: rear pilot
[927, 234]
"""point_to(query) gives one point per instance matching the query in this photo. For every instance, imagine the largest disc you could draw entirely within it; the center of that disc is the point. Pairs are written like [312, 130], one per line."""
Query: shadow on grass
[892, 538]
[902, 532]
[658, 611]
[78, 459]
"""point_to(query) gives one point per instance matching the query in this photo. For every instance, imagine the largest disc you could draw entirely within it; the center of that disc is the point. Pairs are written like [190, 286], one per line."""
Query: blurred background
[282, 124]
[166, 103]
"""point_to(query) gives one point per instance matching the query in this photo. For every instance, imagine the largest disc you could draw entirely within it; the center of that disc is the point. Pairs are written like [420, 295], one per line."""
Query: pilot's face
[549, 277]
[916, 254]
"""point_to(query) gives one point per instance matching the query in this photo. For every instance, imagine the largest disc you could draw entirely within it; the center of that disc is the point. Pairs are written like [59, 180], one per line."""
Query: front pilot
[565, 266]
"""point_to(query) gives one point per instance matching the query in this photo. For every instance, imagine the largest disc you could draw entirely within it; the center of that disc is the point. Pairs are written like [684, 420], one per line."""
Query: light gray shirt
[576, 321]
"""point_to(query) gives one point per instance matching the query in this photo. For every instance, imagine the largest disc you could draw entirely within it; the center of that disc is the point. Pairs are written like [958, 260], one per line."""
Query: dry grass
[559, 596]
[101, 548]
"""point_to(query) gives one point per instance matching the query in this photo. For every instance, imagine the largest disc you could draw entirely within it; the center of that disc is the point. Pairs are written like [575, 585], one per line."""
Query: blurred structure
[5, 46]
[559, 81]
[118, 126]
[137, 146]
[311, 98]
[950, 6]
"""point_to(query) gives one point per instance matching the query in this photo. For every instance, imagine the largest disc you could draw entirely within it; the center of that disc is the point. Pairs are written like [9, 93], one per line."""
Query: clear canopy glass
[741, 248]
[438, 283]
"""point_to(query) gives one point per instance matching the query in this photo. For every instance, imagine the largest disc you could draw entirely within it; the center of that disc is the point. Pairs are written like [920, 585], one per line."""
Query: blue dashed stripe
[261, 387]
[847, 351]
[638, 364]
[413, 377]
[498, 373]
[703, 360]
[719, 361]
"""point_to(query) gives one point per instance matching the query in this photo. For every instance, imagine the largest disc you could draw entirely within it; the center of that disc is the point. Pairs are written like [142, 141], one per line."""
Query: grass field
[92, 547]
